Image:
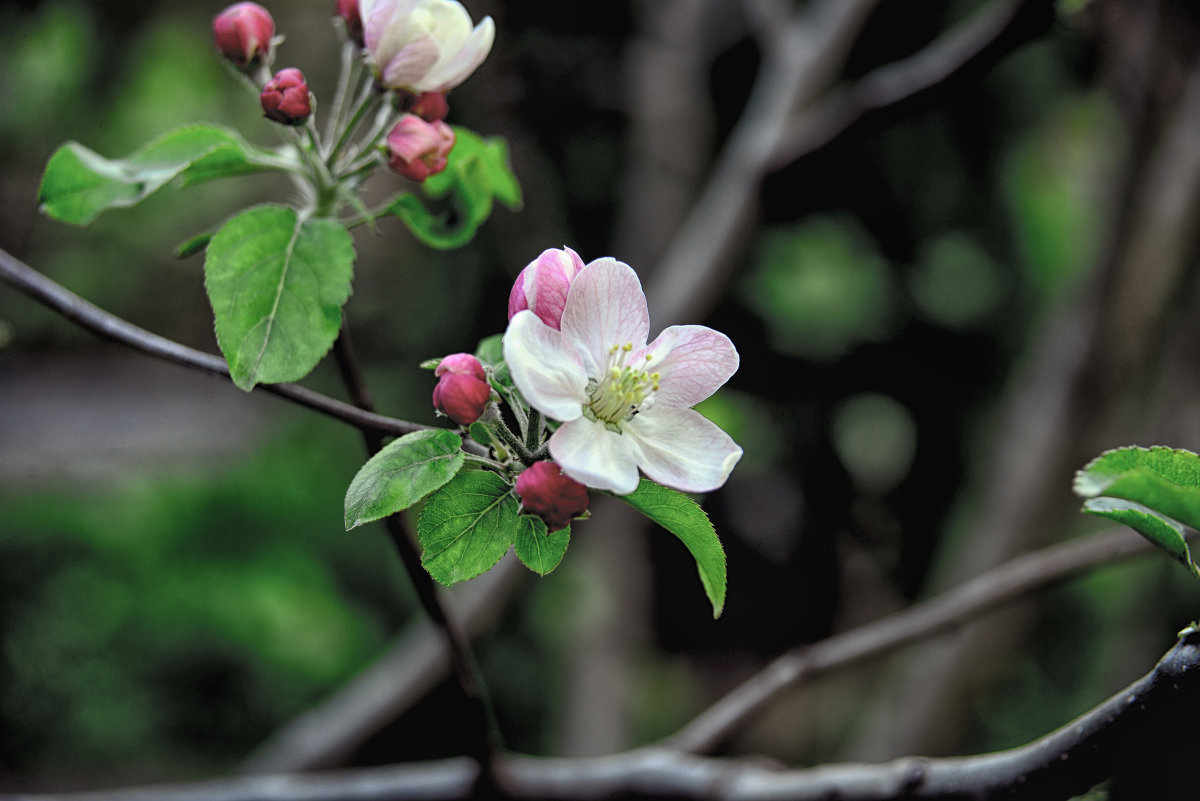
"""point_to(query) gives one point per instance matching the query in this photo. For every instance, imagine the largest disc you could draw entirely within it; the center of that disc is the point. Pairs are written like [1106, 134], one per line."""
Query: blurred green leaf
[79, 184]
[539, 550]
[277, 284]
[820, 287]
[684, 518]
[402, 473]
[467, 526]
[955, 281]
[1155, 491]
[478, 173]
[1051, 182]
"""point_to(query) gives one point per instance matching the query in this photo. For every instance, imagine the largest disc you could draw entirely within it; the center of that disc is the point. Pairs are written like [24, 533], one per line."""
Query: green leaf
[79, 184]
[1159, 529]
[402, 473]
[277, 284]
[467, 526]
[539, 550]
[1155, 491]
[477, 174]
[193, 246]
[684, 518]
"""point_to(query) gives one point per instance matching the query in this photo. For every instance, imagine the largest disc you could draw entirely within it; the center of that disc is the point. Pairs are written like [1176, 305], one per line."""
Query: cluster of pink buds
[462, 391]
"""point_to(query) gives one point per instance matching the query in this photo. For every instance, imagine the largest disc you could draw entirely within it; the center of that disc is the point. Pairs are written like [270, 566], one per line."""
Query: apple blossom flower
[552, 496]
[462, 391]
[542, 286]
[285, 98]
[418, 149]
[623, 404]
[242, 32]
[423, 45]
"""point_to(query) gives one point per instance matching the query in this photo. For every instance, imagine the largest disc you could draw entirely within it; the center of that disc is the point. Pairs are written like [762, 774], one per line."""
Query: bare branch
[955, 607]
[1093, 747]
[109, 326]
[973, 44]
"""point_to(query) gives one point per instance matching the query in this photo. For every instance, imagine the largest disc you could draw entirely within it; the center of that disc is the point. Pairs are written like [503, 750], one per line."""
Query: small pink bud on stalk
[286, 98]
[418, 149]
[348, 11]
[542, 286]
[242, 32]
[462, 391]
[429, 106]
[552, 496]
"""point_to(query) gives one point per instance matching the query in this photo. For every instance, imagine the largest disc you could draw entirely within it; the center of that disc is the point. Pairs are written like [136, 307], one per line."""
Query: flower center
[621, 389]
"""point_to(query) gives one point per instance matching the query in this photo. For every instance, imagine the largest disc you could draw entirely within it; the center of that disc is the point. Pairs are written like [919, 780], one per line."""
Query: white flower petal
[606, 307]
[458, 64]
[546, 366]
[692, 361]
[682, 449]
[591, 454]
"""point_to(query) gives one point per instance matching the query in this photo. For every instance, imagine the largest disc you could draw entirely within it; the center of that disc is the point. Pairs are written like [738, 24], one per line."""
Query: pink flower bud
[430, 106]
[552, 496]
[285, 98]
[542, 286]
[418, 149]
[348, 11]
[462, 391]
[242, 32]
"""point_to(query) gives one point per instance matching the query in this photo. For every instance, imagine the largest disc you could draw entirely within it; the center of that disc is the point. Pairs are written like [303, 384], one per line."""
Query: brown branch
[109, 326]
[956, 607]
[483, 735]
[972, 46]
[1095, 746]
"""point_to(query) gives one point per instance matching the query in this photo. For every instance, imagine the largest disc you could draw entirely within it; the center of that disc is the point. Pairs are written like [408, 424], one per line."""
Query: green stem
[338, 108]
[368, 100]
[512, 441]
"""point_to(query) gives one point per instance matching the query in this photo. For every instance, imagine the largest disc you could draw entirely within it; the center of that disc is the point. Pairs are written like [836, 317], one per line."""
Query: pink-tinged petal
[606, 307]
[591, 454]
[542, 286]
[464, 61]
[410, 63]
[692, 361]
[376, 15]
[681, 448]
[546, 367]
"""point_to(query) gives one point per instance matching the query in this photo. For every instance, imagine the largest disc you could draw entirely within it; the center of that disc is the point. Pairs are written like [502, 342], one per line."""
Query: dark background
[941, 315]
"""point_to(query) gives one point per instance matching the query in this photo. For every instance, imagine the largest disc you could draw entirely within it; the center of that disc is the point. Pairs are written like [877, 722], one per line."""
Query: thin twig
[1095, 746]
[483, 733]
[109, 326]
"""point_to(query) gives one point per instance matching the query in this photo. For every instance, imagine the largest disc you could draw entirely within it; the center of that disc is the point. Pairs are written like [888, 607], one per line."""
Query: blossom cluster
[576, 349]
[417, 49]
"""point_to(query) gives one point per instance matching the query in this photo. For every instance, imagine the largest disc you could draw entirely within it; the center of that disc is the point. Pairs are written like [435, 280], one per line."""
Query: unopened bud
[418, 149]
[429, 106]
[462, 391]
[551, 495]
[542, 286]
[348, 11]
[242, 32]
[286, 98]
